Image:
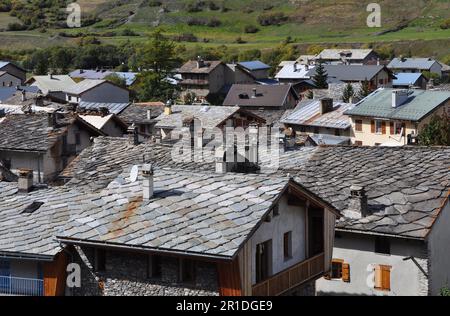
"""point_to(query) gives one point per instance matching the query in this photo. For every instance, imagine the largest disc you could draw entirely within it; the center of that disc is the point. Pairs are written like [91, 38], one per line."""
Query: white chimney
[253, 143]
[221, 165]
[25, 182]
[147, 184]
[24, 95]
[149, 115]
[399, 97]
[255, 93]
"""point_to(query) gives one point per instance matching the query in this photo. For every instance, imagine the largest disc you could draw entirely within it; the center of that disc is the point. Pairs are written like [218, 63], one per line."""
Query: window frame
[340, 264]
[359, 126]
[382, 245]
[380, 131]
[385, 272]
[287, 246]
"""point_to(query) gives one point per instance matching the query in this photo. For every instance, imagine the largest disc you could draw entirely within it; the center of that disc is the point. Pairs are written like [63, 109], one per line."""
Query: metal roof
[406, 78]
[254, 65]
[293, 71]
[308, 113]
[114, 108]
[419, 104]
[129, 77]
[350, 72]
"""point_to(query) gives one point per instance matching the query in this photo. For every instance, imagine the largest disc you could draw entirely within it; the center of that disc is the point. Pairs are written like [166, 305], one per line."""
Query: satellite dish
[134, 173]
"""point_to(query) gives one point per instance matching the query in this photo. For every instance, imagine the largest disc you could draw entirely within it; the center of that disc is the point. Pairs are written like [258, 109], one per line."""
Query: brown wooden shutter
[372, 126]
[392, 127]
[383, 128]
[378, 278]
[346, 272]
[386, 277]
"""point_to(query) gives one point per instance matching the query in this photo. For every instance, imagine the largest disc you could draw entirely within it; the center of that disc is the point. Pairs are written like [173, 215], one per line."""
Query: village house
[322, 120]
[43, 142]
[377, 76]
[13, 70]
[170, 123]
[15, 94]
[257, 69]
[54, 86]
[8, 80]
[143, 116]
[406, 80]
[97, 91]
[391, 117]
[110, 124]
[256, 97]
[348, 57]
[102, 74]
[415, 65]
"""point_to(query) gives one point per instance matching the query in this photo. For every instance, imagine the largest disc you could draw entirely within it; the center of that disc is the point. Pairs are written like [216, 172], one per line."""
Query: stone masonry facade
[125, 274]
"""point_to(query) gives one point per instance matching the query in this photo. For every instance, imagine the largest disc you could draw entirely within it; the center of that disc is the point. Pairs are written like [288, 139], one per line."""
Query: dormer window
[33, 207]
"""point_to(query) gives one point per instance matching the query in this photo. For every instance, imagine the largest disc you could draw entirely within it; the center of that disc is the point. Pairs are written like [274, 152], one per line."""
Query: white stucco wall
[359, 251]
[439, 252]
[290, 218]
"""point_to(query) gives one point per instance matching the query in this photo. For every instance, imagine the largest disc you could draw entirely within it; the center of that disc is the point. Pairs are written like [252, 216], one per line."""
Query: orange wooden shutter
[372, 126]
[386, 277]
[229, 278]
[346, 272]
[391, 125]
[383, 128]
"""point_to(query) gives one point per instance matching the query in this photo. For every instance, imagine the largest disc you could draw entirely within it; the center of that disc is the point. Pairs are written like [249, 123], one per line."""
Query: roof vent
[358, 206]
[33, 207]
[25, 182]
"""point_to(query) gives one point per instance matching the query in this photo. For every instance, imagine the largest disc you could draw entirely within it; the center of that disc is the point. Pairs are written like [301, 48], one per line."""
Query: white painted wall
[359, 251]
[439, 252]
[291, 218]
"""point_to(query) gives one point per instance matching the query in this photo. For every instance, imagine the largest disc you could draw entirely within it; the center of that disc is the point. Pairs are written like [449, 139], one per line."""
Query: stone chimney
[326, 105]
[158, 137]
[24, 95]
[255, 92]
[147, 184]
[221, 164]
[104, 111]
[149, 115]
[295, 67]
[133, 136]
[39, 100]
[357, 207]
[253, 134]
[51, 119]
[430, 85]
[399, 97]
[25, 180]
[200, 62]
[168, 108]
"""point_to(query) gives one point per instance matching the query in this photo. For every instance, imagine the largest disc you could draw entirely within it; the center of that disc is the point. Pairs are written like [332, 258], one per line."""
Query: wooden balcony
[290, 278]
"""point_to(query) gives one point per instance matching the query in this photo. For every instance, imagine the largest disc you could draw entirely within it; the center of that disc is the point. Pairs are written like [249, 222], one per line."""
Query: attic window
[33, 207]
[243, 96]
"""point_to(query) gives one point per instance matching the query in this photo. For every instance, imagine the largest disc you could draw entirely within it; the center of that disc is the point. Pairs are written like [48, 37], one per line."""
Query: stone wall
[126, 275]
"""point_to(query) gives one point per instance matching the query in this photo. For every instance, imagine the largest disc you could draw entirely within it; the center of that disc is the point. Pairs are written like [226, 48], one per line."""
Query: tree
[156, 60]
[364, 91]
[348, 93]
[437, 132]
[320, 79]
[117, 80]
[445, 291]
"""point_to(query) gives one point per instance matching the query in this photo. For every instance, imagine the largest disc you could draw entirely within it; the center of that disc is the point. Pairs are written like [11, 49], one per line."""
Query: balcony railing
[290, 278]
[21, 286]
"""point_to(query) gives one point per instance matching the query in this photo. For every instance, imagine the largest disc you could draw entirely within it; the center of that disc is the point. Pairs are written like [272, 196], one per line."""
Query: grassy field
[325, 22]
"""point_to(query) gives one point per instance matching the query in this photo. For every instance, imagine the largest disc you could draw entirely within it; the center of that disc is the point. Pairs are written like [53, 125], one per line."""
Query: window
[358, 125]
[276, 210]
[337, 132]
[154, 266]
[336, 268]
[187, 270]
[287, 245]
[383, 277]
[70, 98]
[78, 138]
[398, 127]
[382, 245]
[340, 270]
[99, 260]
[378, 127]
[142, 129]
[316, 130]
[263, 260]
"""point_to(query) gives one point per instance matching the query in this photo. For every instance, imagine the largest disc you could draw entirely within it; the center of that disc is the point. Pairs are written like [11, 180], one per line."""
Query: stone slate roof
[210, 116]
[114, 108]
[108, 157]
[33, 234]
[6, 174]
[267, 95]
[406, 186]
[191, 67]
[31, 132]
[191, 212]
[412, 63]
[137, 113]
[307, 113]
[418, 105]
[336, 54]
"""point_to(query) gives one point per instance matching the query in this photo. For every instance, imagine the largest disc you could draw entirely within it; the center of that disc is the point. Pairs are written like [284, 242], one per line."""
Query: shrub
[154, 3]
[5, 5]
[128, 32]
[16, 27]
[214, 22]
[445, 25]
[251, 29]
[275, 18]
[239, 40]
[185, 37]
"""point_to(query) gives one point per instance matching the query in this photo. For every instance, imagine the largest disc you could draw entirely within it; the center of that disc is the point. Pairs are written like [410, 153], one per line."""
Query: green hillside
[240, 23]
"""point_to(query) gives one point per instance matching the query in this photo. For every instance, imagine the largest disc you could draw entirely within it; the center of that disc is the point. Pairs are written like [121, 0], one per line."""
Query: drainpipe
[39, 168]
